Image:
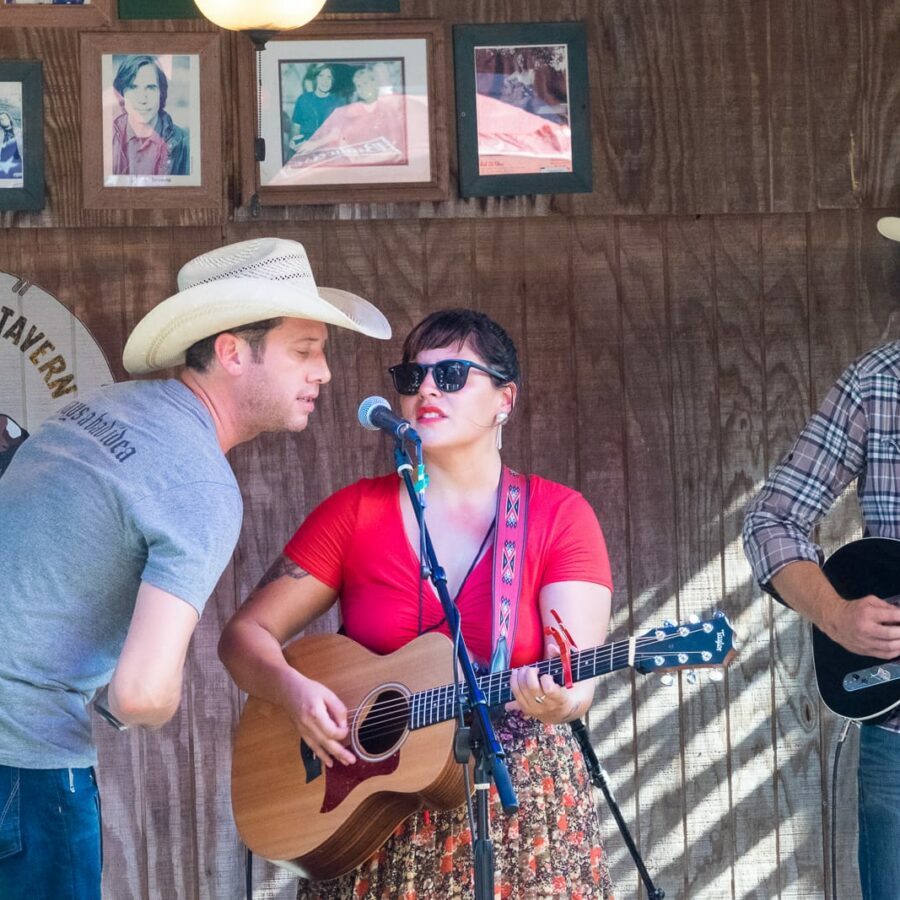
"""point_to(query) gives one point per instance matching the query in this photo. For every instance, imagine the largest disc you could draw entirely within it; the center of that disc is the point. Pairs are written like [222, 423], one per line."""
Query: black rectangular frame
[31, 75]
[185, 9]
[465, 39]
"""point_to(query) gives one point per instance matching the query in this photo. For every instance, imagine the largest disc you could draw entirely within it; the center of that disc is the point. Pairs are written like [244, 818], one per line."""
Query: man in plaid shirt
[854, 435]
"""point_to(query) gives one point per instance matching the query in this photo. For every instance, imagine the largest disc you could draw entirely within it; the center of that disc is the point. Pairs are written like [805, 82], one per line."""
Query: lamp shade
[889, 226]
[260, 15]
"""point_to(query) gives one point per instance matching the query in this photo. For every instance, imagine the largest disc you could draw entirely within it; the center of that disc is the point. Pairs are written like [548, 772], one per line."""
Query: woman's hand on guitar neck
[540, 697]
[318, 715]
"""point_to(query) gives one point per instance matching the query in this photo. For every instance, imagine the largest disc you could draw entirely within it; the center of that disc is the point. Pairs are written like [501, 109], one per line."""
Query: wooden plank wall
[676, 326]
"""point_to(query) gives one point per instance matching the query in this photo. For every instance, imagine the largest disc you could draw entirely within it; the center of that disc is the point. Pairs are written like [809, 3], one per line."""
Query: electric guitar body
[853, 686]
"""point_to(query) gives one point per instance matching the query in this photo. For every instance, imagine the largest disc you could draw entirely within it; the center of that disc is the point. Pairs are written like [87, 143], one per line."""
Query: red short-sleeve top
[355, 543]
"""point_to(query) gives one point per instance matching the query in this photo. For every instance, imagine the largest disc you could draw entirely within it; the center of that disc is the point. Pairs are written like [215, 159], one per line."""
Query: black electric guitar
[860, 687]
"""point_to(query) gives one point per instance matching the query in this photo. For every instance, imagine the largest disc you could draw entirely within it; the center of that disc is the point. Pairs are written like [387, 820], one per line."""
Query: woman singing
[458, 382]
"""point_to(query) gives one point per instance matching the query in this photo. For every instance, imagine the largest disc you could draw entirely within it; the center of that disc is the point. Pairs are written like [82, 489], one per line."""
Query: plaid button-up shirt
[854, 435]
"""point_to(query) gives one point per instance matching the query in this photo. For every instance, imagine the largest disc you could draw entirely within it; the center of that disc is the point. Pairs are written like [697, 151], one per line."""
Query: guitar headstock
[692, 645]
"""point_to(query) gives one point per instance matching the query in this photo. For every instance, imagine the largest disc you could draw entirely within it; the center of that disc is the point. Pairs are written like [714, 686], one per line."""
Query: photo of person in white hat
[851, 438]
[117, 517]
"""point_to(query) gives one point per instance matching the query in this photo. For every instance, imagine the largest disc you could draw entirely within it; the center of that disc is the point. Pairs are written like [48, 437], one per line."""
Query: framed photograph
[522, 109]
[158, 9]
[348, 112]
[155, 99]
[185, 9]
[361, 6]
[56, 13]
[21, 135]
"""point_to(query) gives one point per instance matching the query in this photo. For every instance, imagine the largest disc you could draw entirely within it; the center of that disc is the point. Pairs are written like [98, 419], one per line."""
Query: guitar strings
[385, 716]
[493, 682]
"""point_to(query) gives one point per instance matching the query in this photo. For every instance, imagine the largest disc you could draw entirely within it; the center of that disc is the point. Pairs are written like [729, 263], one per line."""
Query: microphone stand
[598, 778]
[489, 755]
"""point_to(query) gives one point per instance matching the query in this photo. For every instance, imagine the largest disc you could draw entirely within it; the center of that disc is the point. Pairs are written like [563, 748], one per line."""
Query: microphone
[376, 415]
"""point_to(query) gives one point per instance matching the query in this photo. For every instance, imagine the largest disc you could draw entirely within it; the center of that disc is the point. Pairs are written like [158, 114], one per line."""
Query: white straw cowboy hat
[235, 285]
[889, 226]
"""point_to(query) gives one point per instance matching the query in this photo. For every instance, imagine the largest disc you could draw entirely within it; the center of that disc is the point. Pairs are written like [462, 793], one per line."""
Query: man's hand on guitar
[319, 716]
[869, 626]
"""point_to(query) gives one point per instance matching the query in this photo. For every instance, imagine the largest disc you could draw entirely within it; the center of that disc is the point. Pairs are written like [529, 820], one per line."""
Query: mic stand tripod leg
[483, 848]
[598, 778]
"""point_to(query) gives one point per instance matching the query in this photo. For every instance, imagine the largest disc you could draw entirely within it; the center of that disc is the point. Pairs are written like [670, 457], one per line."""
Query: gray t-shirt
[128, 484]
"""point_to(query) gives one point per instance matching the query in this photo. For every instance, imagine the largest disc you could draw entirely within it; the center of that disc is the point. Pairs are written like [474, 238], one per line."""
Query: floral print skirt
[550, 848]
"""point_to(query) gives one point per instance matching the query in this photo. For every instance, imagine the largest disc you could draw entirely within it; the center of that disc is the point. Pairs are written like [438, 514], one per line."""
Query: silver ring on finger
[540, 699]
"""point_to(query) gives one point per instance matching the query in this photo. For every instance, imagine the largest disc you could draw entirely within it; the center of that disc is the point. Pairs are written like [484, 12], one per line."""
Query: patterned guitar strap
[509, 561]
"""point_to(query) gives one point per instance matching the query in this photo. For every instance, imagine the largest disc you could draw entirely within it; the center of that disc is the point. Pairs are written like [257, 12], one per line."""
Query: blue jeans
[50, 844]
[879, 813]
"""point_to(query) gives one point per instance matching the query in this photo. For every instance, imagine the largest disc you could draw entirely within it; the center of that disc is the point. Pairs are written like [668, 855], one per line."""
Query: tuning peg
[718, 614]
[668, 623]
[694, 619]
[716, 675]
[691, 676]
[668, 679]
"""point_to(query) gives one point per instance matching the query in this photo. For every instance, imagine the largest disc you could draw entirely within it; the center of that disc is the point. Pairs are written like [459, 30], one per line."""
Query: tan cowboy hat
[889, 226]
[235, 285]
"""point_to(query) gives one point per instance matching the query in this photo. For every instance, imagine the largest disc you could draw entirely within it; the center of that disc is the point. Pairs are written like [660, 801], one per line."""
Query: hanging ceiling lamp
[260, 15]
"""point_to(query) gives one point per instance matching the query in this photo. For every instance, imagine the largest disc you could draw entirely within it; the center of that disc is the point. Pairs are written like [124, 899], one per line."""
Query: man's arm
[146, 686]
[868, 626]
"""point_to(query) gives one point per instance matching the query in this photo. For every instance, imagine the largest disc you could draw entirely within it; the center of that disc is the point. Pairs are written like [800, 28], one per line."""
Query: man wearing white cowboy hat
[117, 517]
[853, 436]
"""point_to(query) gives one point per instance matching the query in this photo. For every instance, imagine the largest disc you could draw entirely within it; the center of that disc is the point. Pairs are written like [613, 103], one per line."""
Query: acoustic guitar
[322, 822]
[863, 688]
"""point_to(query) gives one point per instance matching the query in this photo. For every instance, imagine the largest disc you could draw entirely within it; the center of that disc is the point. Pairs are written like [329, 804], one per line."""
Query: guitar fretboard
[439, 704]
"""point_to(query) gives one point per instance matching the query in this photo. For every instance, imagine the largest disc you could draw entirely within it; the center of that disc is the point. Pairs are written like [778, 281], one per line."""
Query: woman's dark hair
[456, 326]
[127, 73]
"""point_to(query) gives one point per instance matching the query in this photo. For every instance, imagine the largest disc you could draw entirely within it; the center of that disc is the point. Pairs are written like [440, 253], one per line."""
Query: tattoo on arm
[282, 566]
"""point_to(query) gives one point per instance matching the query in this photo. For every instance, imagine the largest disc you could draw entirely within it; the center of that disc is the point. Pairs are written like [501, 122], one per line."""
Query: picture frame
[186, 9]
[157, 9]
[349, 112]
[522, 115]
[158, 153]
[362, 6]
[21, 135]
[46, 13]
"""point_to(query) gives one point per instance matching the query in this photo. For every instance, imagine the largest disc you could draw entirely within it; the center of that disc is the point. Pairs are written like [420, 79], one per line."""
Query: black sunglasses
[449, 375]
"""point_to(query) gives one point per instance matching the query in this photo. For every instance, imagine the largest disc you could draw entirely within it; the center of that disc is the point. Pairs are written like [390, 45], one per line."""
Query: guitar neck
[439, 704]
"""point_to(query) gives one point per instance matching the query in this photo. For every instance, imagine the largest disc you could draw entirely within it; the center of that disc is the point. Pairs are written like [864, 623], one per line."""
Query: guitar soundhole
[383, 723]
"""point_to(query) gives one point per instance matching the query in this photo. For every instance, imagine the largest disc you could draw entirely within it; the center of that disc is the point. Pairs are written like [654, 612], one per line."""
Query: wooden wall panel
[745, 84]
[786, 379]
[669, 361]
[835, 53]
[651, 552]
[881, 104]
[601, 475]
[738, 254]
[690, 285]
[547, 348]
[791, 153]
[706, 107]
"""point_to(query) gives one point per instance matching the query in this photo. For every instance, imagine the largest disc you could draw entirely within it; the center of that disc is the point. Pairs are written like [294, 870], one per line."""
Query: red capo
[565, 642]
